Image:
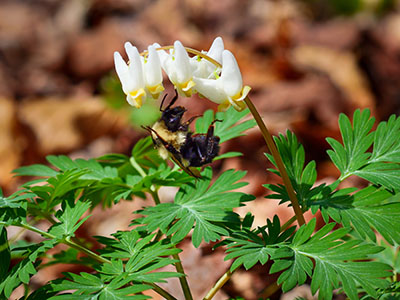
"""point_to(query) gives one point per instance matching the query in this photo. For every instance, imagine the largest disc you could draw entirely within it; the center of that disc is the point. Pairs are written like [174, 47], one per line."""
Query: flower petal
[123, 72]
[162, 54]
[181, 63]
[135, 65]
[230, 75]
[136, 98]
[152, 68]
[216, 49]
[210, 88]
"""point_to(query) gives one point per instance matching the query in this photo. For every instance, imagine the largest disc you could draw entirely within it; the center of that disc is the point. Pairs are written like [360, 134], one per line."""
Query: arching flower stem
[189, 50]
[278, 160]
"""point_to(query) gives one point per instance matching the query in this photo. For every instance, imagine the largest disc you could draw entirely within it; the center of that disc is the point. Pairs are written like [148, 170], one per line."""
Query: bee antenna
[162, 102]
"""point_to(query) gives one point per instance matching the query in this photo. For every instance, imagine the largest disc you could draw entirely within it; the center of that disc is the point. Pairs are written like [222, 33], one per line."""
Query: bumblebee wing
[191, 171]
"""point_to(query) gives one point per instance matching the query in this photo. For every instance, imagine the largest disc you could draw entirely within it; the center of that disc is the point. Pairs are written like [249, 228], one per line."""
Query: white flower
[227, 89]
[204, 68]
[152, 72]
[131, 76]
[178, 68]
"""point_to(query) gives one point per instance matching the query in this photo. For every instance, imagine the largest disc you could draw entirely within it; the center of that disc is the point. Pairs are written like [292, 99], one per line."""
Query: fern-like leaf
[207, 208]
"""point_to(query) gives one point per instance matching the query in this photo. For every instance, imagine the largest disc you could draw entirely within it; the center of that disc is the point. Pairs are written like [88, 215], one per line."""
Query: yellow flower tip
[188, 85]
[186, 89]
[237, 100]
[224, 106]
[245, 91]
[238, 105]
[155, 91]
[135, 98]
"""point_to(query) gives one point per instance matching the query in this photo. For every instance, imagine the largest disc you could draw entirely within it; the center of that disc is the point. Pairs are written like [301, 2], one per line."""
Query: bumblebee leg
[150, 130]
[162, 101]
[212, 143]
[173, 100]
[185, 126]
[210, 131]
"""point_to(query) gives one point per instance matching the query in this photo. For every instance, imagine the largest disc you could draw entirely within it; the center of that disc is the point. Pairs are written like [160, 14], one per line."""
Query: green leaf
[22, 272]
[146, 155]
[367, 210]
[227, 129]
[96, 287]
[302, 176]
[247, 247]
[228, 155]
[386, 145]
[69, 217]
[69, 256]
[387, 175]
[44, 292]
[13, 208]
[356, 141]
[5, 254]
[382, 166]
[135, 256]
[35, 170]
[207, 208]
[335, 260]
[390, 256]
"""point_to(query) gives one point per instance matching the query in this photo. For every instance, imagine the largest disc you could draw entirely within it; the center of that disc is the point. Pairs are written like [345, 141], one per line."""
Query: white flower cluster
[142, 76]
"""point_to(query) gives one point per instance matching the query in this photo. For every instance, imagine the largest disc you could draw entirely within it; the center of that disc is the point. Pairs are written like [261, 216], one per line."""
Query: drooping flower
[178, 68]
[152, 73]
[143, 75]
[226, 89]
[204, 68]
[131, 76]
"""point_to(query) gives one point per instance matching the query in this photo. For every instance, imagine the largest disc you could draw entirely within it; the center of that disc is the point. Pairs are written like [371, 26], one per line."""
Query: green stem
[278, 160]
[161, 291]
[88, 252]
[154, 194]
[270, 290]
[153, 189]
[182, 280]
[178, 264]
[66, 241]
[288, 223]
[218, 285]
[137, 167]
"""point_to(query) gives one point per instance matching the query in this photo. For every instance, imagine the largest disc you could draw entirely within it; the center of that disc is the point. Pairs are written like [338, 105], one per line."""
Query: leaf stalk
[66, 241]
[182, 280]
[161, 291]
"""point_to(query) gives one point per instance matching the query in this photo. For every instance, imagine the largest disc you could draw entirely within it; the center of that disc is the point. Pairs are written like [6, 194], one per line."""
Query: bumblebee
[173, 139]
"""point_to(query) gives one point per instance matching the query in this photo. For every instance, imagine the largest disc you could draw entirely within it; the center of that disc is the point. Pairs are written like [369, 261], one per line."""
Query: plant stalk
[178, 264]
[270, 290]
[218, 285]
[66, 241]
[88, 252]
[182, 280]
[288, 223]
[278, 160]
[161, 291]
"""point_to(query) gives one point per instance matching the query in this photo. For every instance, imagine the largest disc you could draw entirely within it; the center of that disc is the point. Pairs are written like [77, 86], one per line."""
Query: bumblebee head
[172, 117]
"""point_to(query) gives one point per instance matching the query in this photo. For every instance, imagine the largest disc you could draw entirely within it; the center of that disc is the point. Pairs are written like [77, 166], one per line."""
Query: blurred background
[306, 61]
